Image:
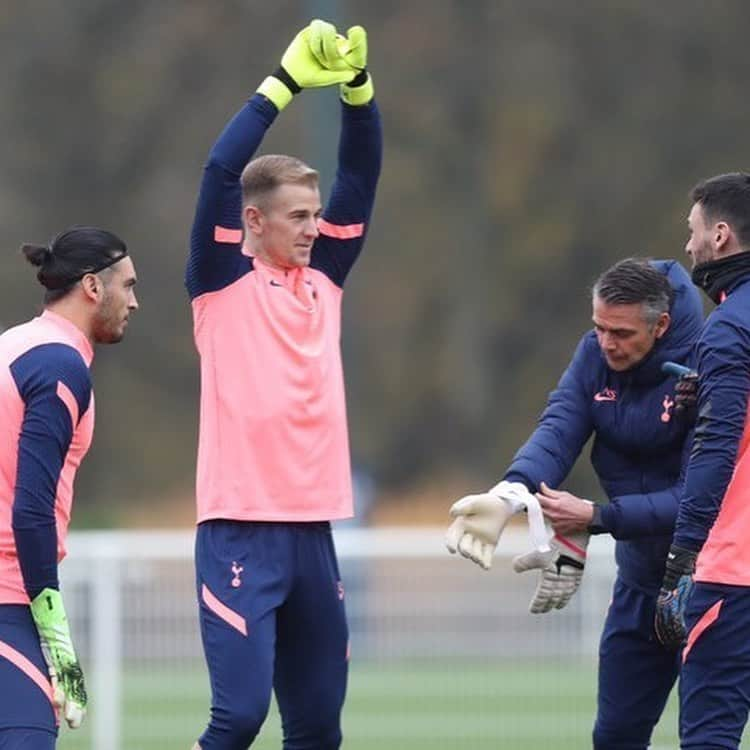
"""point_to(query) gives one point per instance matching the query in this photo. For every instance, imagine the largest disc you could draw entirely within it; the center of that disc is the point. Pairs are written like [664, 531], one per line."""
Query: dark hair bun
[37, 255]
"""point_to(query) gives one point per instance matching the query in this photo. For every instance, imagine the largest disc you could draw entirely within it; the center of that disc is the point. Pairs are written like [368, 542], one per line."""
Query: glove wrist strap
[356, 94]
[47, 608]
[282, 74]
[279, 88]
[680, 562]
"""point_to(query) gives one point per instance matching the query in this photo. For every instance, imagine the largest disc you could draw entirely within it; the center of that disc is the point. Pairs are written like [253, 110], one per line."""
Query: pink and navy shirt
[714, 515]
[273, 442]
[47, 417]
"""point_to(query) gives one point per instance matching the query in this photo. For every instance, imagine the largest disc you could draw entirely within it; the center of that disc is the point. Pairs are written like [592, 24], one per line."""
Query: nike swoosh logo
[275, 283]
[604, 397]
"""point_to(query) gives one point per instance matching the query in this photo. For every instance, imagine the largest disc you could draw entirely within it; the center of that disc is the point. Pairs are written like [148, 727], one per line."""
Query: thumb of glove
[534, 560]
[465, 506]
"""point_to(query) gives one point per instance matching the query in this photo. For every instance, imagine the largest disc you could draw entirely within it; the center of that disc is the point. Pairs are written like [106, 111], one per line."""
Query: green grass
[409, 706]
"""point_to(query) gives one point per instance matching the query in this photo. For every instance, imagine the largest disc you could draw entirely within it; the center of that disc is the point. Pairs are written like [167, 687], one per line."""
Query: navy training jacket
[639, 447]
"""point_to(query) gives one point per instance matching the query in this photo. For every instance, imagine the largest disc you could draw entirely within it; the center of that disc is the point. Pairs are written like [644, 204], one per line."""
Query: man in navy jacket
[709, 612]
[645, 314]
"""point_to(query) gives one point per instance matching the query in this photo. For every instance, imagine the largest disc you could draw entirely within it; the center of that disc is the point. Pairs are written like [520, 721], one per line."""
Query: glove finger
[546, 595]
[539, 606]
[317, 30]
[453, 535]
[658, 629]
[325, 45]
[357, 43]
[465, 545]
[74, 714]
[540, 603]
[563, 598]
[476, 550]
[488, 551]
[331, 55]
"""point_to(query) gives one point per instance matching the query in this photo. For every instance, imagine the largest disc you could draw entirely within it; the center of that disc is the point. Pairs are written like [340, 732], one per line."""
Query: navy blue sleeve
[216, 258]
[723, 388]
[347, 213]
[45, 437]
[564, 427]
[649, 514]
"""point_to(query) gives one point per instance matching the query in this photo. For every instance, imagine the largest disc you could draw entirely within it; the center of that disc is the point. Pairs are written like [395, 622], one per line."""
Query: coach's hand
[561, 571]
[66, 677]
[568, 513]
[669, 621]
[301, 68]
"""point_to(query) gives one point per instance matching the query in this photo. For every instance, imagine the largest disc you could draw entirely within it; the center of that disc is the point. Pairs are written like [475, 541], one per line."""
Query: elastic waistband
[322, 526]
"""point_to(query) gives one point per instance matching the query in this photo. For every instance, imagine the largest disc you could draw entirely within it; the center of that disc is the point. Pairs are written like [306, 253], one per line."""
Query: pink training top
[273, 442]
[725, 557]
[47, 413]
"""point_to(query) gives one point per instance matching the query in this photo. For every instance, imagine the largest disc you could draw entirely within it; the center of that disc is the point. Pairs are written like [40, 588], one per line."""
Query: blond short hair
[264, 174]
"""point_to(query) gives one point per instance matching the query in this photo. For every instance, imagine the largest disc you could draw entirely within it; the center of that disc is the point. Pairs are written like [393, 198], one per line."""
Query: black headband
[62, 283]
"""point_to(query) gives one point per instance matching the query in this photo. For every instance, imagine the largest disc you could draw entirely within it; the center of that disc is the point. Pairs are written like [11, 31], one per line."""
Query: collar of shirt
[73, 334]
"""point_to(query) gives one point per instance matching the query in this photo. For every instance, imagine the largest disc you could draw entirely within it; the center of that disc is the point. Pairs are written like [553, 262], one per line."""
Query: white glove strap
[537, 530]
[519, 498]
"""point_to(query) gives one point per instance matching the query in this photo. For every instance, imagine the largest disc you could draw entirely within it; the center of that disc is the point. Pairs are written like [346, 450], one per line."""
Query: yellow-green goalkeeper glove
[344, 53]
[301, 69]
[68, 689]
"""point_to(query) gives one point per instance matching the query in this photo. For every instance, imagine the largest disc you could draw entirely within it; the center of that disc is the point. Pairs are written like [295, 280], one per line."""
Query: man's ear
[662, 324]
[254, 219]
[722, 234]
[92, 286]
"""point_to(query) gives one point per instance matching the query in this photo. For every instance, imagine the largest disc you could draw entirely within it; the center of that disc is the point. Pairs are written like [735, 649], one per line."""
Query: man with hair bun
[47, 413]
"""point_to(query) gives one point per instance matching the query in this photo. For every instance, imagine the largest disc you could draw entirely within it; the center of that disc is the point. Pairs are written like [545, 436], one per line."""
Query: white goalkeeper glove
[561, 570]
[68, 689]
[480, 520]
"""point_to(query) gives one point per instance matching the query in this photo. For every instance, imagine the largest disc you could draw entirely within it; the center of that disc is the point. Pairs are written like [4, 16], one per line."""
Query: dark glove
[686, 396]
[669, 621]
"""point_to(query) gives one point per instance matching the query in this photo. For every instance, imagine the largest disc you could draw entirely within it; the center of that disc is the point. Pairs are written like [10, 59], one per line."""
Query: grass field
[410, 706]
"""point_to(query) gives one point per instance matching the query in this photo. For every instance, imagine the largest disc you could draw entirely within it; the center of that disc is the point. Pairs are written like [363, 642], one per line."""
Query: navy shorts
[715, 677]
[27, 717]
[272, 617]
